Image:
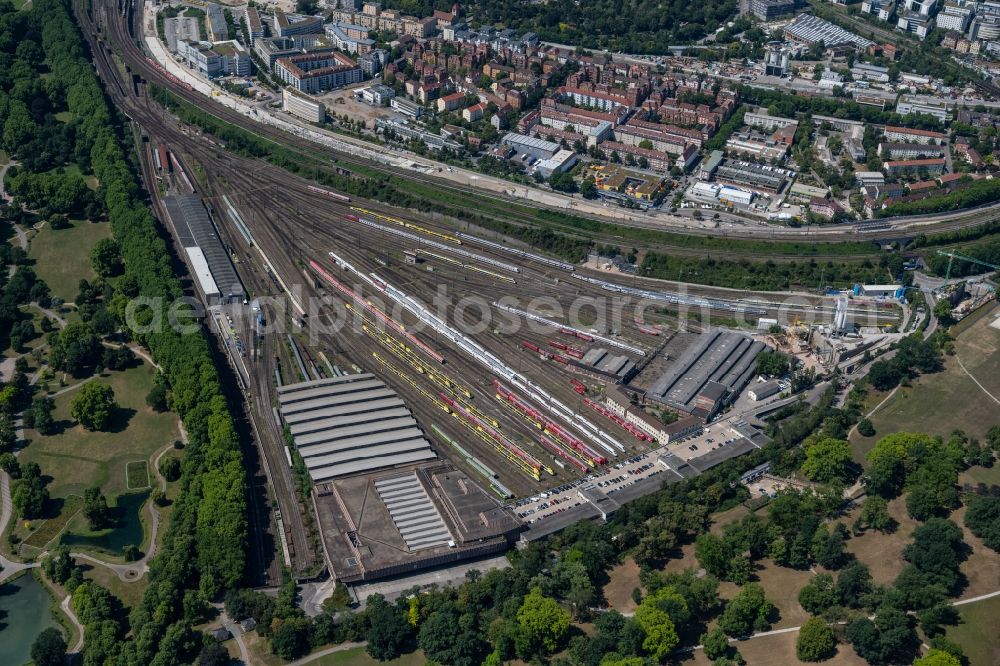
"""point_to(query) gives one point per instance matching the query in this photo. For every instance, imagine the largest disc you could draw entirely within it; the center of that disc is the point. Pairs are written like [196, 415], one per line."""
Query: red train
[173, 79]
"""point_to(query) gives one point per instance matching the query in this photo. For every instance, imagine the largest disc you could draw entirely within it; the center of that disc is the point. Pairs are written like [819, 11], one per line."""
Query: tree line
[205, 544]
[630, 26]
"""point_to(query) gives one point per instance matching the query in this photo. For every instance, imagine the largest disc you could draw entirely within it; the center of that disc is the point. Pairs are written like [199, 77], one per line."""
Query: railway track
[125, 37]
[293, 224]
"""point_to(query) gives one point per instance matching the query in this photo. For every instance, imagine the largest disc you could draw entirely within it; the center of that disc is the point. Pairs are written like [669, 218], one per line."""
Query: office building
[303, 106]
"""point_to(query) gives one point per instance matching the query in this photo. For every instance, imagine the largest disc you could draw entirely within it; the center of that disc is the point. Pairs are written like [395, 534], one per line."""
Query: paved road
[984, 389]
[402, 161]
[9, 567]
[235, 630]
[322, 653]
[67, 608]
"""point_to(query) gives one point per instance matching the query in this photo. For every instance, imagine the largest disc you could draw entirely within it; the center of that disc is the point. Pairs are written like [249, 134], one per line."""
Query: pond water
[25, 612]
[127, 531]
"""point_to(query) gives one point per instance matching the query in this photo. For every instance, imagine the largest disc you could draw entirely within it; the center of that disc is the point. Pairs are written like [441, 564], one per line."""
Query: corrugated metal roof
[199, 266]
[355, 466]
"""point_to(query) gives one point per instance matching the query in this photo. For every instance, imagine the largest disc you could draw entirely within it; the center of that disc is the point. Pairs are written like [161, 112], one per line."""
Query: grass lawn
[990, 476]
[137, 475]
[48, 530]
[358, 657]
[781, 585]
[883, 553]
[75, 459]
[74, 169]
[62, 257]
[948, 400]
[130, 594]
[977, 634]
[624, 578]
[779, 650]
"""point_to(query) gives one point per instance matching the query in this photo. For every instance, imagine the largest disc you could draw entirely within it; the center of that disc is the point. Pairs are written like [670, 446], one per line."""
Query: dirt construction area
[339, 102]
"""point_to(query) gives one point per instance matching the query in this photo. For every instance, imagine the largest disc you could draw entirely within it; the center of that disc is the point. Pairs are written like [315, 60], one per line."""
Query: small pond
[127, 530]
[25, 611]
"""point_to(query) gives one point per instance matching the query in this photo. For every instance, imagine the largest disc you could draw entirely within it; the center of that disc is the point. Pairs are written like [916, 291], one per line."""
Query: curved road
[238, 112]
[9, 567]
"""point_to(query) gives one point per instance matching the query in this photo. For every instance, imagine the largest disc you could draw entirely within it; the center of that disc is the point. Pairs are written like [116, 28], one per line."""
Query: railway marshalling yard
[497, 357]
[454, 400]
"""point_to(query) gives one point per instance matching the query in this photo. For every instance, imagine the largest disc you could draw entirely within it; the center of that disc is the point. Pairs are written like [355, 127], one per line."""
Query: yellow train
[408, 225]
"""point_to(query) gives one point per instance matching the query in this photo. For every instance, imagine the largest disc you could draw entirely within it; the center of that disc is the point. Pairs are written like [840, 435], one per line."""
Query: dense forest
[46, 72]
[630, 26]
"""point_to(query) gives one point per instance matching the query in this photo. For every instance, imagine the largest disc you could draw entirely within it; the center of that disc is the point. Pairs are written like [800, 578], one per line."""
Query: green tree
[659, 631]
[983, 519]
[772, 363]
[739, 570]
[214, 654]
[156, 399]
[76, 349]
[943, 312]
[447, 637]
[389, 631]
[819, 595]
[816, 641]
[875, 515]
[49, 648]
[747, 612]
[712, 554]
[854, 582]
[94, 406]
[290, 638]
[938, 658]
[41, 415]
[828, 460]
[58, 566]
[106, 259]
[891, 459]
[9, 464]
[888, 639]
[866, 428]
[95, 508]
[170, 468]
[828, 547]
[715, 643]
[30, 495]
[543, 623]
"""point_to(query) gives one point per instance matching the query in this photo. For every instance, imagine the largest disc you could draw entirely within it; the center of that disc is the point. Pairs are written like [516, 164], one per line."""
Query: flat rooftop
[399, 521]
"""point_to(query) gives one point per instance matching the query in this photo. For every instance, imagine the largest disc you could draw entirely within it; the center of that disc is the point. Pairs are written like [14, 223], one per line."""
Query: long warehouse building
[210, 263]
[708, 374]
[349, 425]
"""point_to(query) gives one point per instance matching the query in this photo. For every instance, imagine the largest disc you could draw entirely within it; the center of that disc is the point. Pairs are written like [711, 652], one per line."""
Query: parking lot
[616, 477]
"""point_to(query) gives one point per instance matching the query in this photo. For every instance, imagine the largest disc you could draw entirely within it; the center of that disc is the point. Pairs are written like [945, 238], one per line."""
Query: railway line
[281, 230]
[125, 37]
